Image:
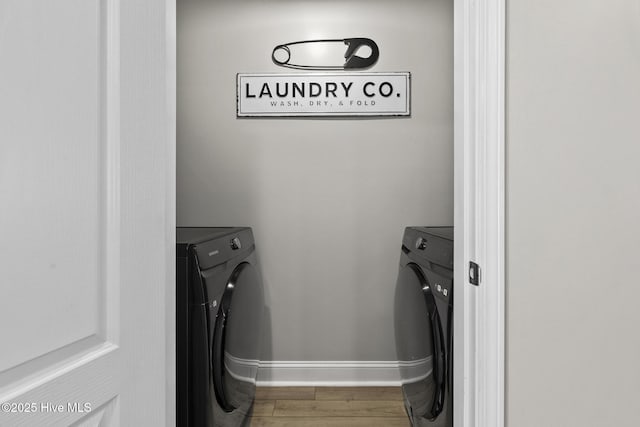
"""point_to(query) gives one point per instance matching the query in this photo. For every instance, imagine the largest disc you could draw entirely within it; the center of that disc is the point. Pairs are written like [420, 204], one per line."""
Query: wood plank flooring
[329, 407]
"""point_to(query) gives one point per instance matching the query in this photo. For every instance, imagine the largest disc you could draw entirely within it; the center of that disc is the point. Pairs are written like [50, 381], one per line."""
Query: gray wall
[573, 211]
[328, 199]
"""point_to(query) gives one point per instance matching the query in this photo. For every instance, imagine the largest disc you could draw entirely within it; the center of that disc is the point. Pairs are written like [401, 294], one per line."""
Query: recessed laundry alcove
[327, 198]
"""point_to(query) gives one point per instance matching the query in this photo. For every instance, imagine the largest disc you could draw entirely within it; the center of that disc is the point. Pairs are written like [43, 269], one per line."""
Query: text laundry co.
[315, 89]
[323, 94]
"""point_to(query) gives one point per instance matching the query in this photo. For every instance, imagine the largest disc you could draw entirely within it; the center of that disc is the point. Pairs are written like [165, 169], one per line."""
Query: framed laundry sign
[330, 94]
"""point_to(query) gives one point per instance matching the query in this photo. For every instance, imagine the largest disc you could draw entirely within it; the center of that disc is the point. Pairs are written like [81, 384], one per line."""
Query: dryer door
[236, 339]
[419, 344]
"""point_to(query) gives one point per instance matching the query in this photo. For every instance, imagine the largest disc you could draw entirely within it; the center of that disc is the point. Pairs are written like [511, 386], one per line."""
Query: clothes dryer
[423, 314]
[219, 309]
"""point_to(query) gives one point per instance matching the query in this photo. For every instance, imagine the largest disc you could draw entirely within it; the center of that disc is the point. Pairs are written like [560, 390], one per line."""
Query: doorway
[477, 111]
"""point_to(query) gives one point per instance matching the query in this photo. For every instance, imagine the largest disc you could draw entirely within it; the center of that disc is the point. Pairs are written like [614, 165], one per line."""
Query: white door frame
[479, 213]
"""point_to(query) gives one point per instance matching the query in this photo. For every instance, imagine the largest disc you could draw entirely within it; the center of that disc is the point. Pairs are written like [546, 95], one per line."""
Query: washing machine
[423, 316]
[219, 310]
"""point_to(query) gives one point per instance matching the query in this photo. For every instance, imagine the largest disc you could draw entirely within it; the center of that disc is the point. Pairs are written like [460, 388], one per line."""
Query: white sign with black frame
[335, 94]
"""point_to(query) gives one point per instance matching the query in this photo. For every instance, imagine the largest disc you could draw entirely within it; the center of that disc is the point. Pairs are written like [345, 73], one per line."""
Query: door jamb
[479, 211]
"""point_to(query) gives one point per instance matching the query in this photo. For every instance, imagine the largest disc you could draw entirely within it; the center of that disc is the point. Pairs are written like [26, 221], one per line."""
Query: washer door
[235, 349]
[419, 344]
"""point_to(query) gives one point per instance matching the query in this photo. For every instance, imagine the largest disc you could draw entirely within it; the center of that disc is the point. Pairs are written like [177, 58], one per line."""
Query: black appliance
[423, 315]
[219, 309]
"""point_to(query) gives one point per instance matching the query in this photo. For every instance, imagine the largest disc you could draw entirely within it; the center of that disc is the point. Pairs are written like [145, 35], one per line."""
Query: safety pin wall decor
[333, 86]
[281, 54]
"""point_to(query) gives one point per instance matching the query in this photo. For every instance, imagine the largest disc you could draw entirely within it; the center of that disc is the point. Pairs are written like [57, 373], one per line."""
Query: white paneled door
[75, 346]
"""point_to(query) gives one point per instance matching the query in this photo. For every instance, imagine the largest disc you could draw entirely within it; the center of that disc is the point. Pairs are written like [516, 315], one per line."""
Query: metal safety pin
[352, 61]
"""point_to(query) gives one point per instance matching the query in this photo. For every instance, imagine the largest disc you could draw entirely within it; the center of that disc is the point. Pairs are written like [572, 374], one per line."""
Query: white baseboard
[328, 373]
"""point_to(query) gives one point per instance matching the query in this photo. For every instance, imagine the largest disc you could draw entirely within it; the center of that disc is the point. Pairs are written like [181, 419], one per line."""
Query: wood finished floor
[329, 407]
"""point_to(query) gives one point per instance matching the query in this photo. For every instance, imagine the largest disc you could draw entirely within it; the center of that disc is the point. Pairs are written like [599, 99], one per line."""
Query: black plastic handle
[439, 364]
[217, 355]
[437, 338]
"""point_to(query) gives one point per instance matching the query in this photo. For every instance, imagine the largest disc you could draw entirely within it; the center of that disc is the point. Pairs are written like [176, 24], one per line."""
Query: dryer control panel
[433, 244]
